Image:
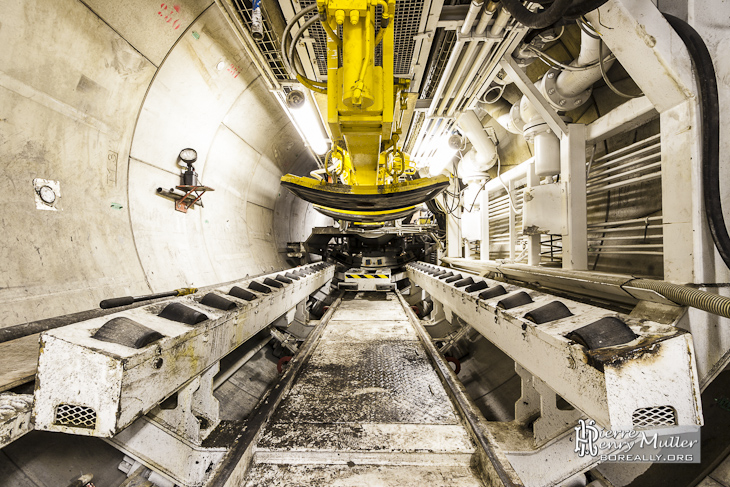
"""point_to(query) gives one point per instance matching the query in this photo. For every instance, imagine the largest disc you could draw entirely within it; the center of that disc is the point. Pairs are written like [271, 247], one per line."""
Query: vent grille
[269, 46]
[655, 416]
[75, 416]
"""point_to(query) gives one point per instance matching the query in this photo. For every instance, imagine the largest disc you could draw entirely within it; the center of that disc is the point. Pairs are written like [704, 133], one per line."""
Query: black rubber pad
[218, 302]
[126, 332]
[272, 283]
[242, 293]
[182, 314]
[453, 278]
[477, 286]
[606, 332]
[518, 299]
[258, 287]
[550, 312]
[493, 292]
[464, 282]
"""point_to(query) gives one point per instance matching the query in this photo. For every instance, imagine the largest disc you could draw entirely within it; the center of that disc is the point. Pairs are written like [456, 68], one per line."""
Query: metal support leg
[484, 216]
[533, 241]
[440, 323]
[538, 398]
[169, 441]
[573, 175]
[512, 222]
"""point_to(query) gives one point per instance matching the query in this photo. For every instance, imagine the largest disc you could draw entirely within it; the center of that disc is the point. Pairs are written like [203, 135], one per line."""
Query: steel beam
[114, 384]
[610, 384]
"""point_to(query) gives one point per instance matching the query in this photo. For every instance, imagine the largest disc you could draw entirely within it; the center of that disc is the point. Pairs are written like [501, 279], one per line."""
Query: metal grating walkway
[367, 408]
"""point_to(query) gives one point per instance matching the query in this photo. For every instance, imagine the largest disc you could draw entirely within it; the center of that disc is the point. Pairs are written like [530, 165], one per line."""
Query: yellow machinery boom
[367, 177]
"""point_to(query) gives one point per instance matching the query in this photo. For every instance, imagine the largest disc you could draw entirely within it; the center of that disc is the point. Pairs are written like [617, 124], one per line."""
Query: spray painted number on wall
[170, 14]
[233, 70]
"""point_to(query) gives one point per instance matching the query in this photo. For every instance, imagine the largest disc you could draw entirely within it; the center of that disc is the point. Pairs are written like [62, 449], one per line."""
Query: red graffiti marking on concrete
[233, 70]
[169, 14]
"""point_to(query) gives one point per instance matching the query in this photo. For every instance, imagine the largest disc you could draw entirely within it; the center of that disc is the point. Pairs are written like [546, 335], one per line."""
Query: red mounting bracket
[192, 195]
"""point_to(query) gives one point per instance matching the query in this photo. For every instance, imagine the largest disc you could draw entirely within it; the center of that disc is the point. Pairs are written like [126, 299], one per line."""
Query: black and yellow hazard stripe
[367, 276]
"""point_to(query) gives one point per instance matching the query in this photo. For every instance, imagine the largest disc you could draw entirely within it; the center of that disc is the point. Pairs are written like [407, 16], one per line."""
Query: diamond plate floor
[366, 409]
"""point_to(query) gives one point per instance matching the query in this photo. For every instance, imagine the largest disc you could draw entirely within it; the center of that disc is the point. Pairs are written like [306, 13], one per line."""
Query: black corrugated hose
[710, 128]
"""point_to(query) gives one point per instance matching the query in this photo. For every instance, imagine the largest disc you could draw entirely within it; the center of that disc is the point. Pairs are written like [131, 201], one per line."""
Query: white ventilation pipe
[474, 7]
[483, 154]
[564, 90]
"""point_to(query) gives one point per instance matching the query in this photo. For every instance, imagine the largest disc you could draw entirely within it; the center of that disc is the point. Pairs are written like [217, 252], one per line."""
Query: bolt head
[561, 103]
[551, 75]
[551, 91]
[578, 102]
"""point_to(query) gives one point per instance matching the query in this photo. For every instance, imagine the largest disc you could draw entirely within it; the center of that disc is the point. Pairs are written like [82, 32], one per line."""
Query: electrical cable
[314, 18]
[484, 184]
[605, 76]
[509, 193]
[710, 130]
[287, 29]
[552, 62]
[587, 28]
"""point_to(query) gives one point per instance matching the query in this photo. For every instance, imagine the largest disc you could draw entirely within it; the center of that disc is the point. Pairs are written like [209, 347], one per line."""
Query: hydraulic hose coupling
[257, 26]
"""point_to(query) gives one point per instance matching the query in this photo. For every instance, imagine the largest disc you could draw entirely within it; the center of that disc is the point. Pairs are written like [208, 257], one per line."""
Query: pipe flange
[540, 126]
[556, 99]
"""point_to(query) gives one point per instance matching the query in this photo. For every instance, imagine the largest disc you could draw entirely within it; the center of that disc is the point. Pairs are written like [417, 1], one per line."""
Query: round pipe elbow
[472, 127]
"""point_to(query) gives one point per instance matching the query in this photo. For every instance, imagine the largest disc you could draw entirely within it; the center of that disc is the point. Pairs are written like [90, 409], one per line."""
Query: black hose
[710, 128]
[578, 10]
[537, 20]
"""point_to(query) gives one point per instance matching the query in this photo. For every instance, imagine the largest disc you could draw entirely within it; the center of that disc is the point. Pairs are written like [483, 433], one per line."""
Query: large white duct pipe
[565, 90]
[568, 89]
[483, 154]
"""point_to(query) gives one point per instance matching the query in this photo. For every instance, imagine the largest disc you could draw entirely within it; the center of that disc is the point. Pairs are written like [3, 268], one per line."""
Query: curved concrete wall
[102, 98]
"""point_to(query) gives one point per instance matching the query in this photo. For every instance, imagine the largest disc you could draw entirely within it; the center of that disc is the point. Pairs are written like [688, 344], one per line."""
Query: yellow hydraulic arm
[365, 163]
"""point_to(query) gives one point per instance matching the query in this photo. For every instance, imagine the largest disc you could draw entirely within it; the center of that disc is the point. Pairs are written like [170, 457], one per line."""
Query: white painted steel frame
[121, 384]
[664, 373]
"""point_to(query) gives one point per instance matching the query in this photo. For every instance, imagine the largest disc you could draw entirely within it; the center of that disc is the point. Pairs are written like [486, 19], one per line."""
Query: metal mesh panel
[269, 46]
[407, 22]
[420, 117]
[316, 32]
[76, 416]
[655, 416]
[437, 69]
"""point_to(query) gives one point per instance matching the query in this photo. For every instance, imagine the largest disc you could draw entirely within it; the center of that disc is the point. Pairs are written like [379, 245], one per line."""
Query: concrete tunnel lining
[109, 125]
